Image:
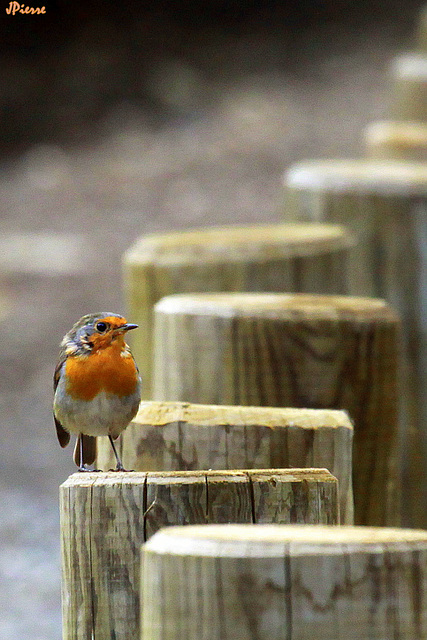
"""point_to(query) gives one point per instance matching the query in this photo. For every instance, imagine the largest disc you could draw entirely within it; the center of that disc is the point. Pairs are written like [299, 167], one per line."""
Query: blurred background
[120, 119]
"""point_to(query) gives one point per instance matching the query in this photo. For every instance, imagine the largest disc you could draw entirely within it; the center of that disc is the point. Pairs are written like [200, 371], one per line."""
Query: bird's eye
[101, 327]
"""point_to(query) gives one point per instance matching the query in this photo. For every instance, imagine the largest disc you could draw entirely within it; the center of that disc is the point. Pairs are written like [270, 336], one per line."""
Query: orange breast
[103, 370]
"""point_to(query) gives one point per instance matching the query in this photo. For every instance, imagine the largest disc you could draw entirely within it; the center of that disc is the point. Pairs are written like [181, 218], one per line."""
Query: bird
[97, 385]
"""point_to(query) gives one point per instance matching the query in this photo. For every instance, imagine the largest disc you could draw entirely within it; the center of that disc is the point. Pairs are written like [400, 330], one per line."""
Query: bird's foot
[120, 467]
[85, 469]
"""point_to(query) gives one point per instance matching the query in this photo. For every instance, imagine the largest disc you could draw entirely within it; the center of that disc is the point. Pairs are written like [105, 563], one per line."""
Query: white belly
[105, 415]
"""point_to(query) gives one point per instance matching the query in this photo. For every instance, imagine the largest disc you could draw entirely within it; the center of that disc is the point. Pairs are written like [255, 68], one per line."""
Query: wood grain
[293, 497]
[75, 509]
[179, 498]
[278, 582]
[183, 436]
[385, 205]
[278, 257]
[105, 517]
[293, 350]
[238, 507]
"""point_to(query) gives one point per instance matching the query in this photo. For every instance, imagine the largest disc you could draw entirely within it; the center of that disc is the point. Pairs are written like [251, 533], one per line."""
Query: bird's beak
[126, 327]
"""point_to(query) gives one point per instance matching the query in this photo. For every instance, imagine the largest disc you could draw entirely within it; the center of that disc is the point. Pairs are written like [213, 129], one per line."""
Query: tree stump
[277, 257]
[409, 93]
[272, 582]
[387, 202]
[295, 350]
[106, 517]
[397, 140]
[179, 436]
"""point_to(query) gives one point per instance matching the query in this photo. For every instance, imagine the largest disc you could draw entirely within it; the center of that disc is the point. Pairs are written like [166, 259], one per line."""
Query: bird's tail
[88, 444]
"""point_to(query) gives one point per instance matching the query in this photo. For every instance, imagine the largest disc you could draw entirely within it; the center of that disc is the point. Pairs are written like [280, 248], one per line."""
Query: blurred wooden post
[363, 194]
[409, 91]
[293, 350]
[397, 140]
[385, 204]
[271, 582]
[177, 436]
[277, 257]
[106, 517]
[421, 34]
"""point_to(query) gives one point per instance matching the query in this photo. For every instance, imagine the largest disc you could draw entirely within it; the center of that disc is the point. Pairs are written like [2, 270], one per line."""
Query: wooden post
[387, 202]
[421, 35]
[275, 257]
[363, 194]
[271, 582]
[397, 140]
[409, 77]
[295, 350]
[106, 517]
[177, 436]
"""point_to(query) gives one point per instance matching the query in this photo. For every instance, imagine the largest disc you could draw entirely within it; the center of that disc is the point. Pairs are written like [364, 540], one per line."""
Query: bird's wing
[63, 435]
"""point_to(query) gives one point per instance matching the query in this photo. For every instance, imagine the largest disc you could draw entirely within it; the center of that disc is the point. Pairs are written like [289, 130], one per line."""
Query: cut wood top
[405, 135]
[270, 540]
[163, 413]
[278, 305]
[91, 478]
[238, 243]
[386, 177]
[99, 478]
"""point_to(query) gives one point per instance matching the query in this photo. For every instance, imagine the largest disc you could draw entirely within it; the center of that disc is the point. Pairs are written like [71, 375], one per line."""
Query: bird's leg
[119, 466]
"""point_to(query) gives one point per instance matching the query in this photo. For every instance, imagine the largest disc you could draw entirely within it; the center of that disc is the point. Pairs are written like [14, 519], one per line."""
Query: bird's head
[96, 331]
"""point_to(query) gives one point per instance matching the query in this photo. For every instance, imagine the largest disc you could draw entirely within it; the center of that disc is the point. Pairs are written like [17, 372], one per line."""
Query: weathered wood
[116, 531]
[218, 490]
[295, 350]
[178, 436]
[75, 508]
[409, 92]
[293, 497]
[362, 194]
[387, 202]
[397, 140]
[277, 257]
[272, 582]
[106, 517]
[178, 497]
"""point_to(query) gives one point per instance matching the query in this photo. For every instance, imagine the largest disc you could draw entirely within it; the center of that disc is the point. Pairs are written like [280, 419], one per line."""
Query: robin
[97, 385]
